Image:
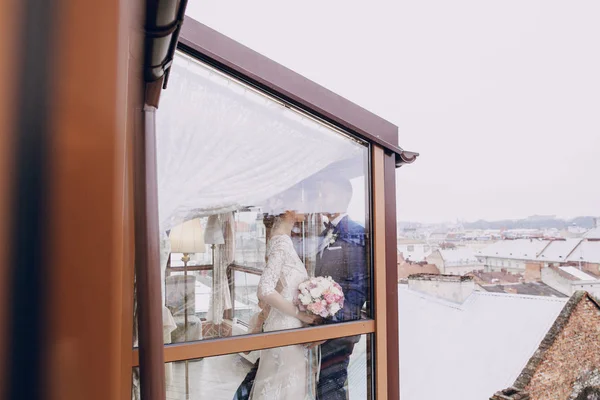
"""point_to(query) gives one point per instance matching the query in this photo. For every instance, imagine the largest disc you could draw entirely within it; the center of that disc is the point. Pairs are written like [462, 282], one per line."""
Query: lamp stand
[186, 259]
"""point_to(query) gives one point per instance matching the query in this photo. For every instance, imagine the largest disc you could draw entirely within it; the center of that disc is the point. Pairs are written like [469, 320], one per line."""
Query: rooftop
[440, 278]
[528, 288]
[470, 349]
[551, 251]
[405, 269]
[578, 274]
[558, 250]
[593, 234]
[557, 327]
[402, 241]
[587, 251]
[520, 249]
[496, 277]
[458, 255]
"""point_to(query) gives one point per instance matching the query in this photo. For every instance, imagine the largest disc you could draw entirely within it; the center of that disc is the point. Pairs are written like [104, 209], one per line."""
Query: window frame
[208, 46]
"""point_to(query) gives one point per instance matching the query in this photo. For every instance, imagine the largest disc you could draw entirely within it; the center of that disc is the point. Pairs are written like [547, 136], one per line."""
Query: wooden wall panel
[379, 219]
[135, 98]
[90, 225]
[391, 292]
[10, 16]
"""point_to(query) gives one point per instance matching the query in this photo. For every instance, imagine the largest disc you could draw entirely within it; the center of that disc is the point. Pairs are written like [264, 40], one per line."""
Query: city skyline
[525, 218]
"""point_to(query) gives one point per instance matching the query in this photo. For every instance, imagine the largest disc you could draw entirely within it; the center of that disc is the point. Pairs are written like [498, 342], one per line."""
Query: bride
[282, 372]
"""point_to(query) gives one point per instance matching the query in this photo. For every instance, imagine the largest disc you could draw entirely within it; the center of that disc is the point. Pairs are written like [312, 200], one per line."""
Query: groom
[343, 256]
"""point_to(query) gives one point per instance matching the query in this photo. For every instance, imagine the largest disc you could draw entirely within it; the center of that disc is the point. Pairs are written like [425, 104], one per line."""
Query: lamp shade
[214, 231]
[187, 237]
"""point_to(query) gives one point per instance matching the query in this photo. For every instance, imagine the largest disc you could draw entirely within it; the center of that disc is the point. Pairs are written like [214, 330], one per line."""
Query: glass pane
[255, 199]
[338, 369]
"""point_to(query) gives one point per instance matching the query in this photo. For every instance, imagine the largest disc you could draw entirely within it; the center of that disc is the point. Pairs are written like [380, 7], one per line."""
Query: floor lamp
[214, 236]
[187, 238]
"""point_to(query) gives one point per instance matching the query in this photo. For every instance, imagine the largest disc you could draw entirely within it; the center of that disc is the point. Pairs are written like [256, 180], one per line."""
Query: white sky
[501, 98]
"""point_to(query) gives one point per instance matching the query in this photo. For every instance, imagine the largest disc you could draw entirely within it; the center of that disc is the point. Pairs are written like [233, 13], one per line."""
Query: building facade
[457, 261]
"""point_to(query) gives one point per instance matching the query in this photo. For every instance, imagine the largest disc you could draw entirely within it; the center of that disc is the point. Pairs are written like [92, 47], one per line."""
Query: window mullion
[238, 344]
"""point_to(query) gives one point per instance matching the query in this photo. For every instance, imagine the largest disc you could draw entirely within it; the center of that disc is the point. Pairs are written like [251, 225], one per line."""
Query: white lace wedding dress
[282, 372]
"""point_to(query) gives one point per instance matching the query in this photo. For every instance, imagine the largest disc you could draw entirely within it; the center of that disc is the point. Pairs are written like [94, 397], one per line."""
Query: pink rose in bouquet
[321, 296]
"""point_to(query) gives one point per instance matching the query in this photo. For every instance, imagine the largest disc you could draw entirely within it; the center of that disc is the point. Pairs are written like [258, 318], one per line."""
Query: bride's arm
[268, 282]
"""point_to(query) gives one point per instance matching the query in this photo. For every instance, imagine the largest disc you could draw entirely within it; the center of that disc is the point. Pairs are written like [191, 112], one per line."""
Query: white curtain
[224, 254]
[221, 146]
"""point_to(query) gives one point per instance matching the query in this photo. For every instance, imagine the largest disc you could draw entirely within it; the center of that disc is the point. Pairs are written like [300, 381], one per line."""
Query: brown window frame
[209, 46]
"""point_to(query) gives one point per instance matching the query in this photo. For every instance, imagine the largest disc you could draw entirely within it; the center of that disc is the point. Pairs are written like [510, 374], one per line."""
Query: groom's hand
[309, 318]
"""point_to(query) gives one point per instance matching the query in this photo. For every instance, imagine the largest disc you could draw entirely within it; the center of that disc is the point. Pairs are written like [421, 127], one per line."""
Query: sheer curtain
[222, 146]
[224, 254]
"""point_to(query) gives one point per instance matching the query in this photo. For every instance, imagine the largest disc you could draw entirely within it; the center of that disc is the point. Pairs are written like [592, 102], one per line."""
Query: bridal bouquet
[321, 296]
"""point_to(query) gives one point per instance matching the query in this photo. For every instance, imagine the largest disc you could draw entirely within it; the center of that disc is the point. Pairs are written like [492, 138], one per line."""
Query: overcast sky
[501, 98]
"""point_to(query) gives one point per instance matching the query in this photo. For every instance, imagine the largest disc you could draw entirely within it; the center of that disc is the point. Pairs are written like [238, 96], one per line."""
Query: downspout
[164, 19]
[163, 24]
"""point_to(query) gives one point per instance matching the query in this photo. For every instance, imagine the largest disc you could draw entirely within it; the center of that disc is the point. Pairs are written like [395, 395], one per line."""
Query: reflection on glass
[338, 369]
[255, 198]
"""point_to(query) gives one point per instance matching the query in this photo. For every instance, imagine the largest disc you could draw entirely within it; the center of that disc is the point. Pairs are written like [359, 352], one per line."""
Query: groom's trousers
[335, 357]
[243, 391]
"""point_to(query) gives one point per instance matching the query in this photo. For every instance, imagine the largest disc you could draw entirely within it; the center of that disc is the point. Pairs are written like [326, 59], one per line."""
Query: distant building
[587, 253]
[413, 250]
[569, 279]
[523, 234]
[437, 237]
[482, 237]
[566, 364]
[515, 255]
[457, 261]
[511, 255]
[410, 232]
[574, 231]
[557, 251]
[405, 269]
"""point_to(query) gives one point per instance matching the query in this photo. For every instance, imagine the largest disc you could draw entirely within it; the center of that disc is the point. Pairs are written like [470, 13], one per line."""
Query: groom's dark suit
[345, 260]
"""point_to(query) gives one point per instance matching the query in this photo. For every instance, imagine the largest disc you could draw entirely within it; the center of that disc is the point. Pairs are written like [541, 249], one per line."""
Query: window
[254, 174]
[227, 373]
[255, 198]
[410, 248]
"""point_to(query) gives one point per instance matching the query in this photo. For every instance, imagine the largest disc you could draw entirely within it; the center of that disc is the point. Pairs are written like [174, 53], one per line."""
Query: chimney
[447, 287]
[533, 272]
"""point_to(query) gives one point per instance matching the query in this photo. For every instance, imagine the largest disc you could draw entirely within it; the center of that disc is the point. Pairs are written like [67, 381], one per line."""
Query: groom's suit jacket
[345, 260]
